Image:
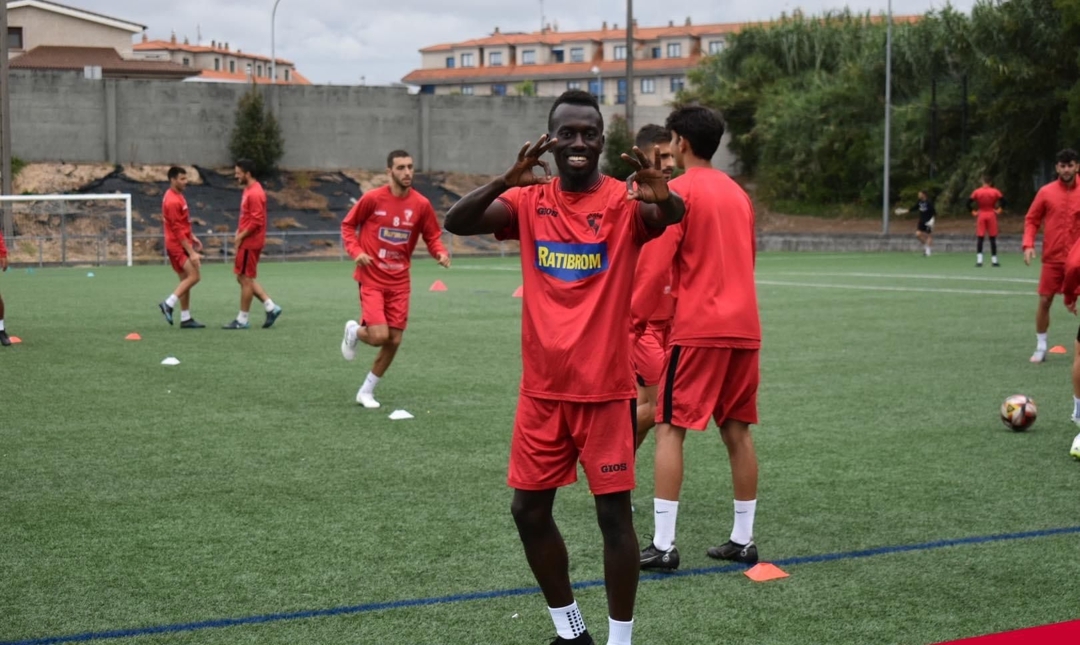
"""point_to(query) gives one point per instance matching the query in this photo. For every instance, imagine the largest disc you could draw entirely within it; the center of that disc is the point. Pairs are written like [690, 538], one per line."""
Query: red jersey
[1057, 205]
[654, 299]
[715, 264]
[986, 198]
[176, 220]
[3, 249]
[253, 216]
[387, 228]
[578, 254]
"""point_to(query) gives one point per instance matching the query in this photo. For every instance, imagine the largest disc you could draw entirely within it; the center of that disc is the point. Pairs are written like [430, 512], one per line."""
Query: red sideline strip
[1058, 634]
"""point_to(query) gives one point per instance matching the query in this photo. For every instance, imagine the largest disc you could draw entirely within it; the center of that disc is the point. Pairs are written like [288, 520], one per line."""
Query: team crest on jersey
[394, 235]
[594, 220]
[571, 262]
[408, 215]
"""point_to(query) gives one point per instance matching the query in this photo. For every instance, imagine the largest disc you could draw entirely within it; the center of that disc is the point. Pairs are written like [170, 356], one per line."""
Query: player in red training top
[1057, 209]
[182, 247]
[712, 364]
[652, 304]
[580, 235]
[249, 242]
[4, 340]
[985, 204]
[380, 233]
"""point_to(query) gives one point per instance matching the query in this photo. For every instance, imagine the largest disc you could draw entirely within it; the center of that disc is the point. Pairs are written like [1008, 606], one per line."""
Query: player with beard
[249, 242]
[580, 235]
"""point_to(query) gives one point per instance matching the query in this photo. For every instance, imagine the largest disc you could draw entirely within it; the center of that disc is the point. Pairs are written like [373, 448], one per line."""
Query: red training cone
[133, 336]
[438, 285]
[519, 292]
[15, 340]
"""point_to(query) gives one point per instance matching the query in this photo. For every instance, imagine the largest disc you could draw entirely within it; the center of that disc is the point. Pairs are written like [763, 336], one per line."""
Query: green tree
[257, 134]
[526, 88]
[617, 141]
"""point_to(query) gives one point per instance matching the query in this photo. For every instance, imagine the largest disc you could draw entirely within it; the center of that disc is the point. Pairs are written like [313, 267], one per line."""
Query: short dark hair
[175, 172]
[702, 127]
[1068, 155]
[575, 97]
[652, 134]
[247, 165]
[396, 154]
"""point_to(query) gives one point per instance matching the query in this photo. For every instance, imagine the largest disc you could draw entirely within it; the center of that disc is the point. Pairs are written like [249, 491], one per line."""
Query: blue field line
[525, 591]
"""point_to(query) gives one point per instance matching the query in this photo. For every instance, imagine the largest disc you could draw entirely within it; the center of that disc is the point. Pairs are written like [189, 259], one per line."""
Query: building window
[427, 89]
[557, 56]
[577, 54]
[259, 72]
[467, 90]
[573, 85]
[648, 86]
[14, 38]
[495, 59]
[232, 67]
[247, 69]
[467, 60]
[716, 46]
[674, 50]
[187, 62]
[677, 84]
[528, 57]
[596, 88]
[620, 52]
[620, 93]
[450, 62]
[288, 76]
[656, 52]
[217, 64]
[498, 89]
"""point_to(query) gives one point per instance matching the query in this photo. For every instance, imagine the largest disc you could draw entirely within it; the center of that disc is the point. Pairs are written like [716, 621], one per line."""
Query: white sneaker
[367, 399]
[1039, 356]
[1075, 450]
[348, 343]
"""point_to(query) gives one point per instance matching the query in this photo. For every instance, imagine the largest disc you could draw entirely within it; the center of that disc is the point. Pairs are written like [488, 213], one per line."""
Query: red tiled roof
[111, 63]
[241, 77]
[168, 45]
[607, 68]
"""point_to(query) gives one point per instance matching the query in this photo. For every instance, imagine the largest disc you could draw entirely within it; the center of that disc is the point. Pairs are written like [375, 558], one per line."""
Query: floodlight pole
[888, 119]
[273, 54]
[629, 66]
[5, 121]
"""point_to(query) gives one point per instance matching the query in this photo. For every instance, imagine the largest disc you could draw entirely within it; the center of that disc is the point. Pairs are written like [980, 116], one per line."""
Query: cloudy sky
[344, 41]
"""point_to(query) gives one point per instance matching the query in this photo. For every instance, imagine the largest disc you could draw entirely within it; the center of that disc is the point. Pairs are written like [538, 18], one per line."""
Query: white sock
[993, 258]
[1076, 399]
[369, 383]
[1040, 342]
[185, 315]
[619, 632]
[978, 258]
[172, 300]
[269, 305]
[1, 324]
[242, 317]
[664, 513]
[743, 531]
[568, 621]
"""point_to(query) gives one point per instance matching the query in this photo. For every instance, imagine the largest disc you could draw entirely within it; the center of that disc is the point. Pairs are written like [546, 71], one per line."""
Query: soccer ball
[1018, 412]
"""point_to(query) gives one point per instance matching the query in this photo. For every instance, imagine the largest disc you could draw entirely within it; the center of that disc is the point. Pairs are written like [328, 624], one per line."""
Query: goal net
[64, 230]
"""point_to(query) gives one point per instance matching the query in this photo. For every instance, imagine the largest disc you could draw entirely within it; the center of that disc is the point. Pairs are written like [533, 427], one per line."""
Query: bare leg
[669, 461]
[247, 291]
[544, 546]
[743, 457]
[621, 568]
[1075, 370]
[1042, 314]
[1, 308]
[646, 412]
[387, 352]
[188, 279]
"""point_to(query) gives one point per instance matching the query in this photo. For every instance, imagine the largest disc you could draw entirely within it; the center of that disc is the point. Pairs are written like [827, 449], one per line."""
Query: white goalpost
[7, 203]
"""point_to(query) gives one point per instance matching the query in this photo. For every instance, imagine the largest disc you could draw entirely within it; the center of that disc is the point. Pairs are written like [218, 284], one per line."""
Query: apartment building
[218, 62]
[549, 62]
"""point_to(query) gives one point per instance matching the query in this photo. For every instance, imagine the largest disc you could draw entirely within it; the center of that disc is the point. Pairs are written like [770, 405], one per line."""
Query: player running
[249, 242]
[580, 236]
[712, 362]
[380, 233]
[652, 304]
[182, 247]
[924, 229]
[985, 204]
[5, 341]
[1057, 209]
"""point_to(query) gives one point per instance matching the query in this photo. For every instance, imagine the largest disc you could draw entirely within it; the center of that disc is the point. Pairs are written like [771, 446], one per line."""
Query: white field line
[862, 287]
[904, 276]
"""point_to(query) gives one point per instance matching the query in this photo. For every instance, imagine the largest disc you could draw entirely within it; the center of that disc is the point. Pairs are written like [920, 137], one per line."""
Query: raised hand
[651, 185]
[523, 172]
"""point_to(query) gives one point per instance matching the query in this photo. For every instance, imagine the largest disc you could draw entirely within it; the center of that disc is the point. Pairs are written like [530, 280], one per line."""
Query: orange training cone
[438, 285]
[15, 340]
[519, 292]
[1058, 349]
[765, 572]
[133, 336]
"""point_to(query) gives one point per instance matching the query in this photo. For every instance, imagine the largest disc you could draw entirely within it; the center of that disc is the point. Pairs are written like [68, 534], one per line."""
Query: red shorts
[380, 306]
[177, 258]
[550, 437]
[247, 262]
[704, 382]
[1052, 279]
[648, 354]
[986, 225]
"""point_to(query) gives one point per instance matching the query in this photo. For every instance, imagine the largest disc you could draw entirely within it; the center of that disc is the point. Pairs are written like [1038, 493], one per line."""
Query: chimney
[145, 38]
[186, 41]
[635, 23]
[615, 26]
[604, 28]
[226, 46]
[213, 44]
[496, 31]
[670, 23]
[172, 39]
[555, 26]
[688, 23]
